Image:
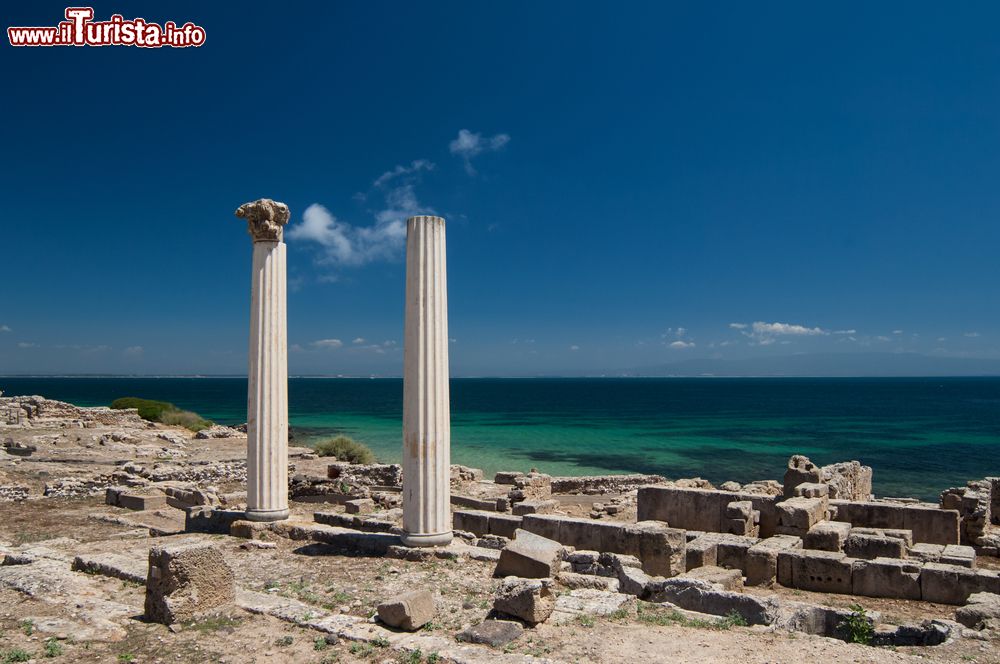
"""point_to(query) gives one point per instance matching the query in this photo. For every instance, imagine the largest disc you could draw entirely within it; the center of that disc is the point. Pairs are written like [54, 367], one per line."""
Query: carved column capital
[264, 219]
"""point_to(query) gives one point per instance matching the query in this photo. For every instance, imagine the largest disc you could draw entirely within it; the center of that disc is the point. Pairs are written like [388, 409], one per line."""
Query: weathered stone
[530, 556]
[360, 506]
[797, 515]
[493, 633]
[696, 595]
[821, 571]
[947, 584]
[827, 536]
[811, 490]
[590, 602]
[886, 577]
[218, 431]
[800, 469]
[979, 608]
[926, 553]
[186, 581]
[535, 507]
[409, 611]
[719, 577]
[870, 547]
[531, 600]
[762, 558]
[957, 554]
[701, 551]
[633, 581]
[928, 523]
[896, 533]
[573, 580]
[848, 480]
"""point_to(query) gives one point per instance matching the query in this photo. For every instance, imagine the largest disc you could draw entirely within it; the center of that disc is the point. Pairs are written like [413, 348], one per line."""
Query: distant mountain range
[826, 364]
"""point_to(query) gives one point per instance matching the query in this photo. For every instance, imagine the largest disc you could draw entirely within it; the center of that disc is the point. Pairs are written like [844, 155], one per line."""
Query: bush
[858, 626]
[163, 412]
[345, 449]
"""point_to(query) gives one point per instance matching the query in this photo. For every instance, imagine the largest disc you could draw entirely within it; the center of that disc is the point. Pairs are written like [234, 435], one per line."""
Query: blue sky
[626, 184]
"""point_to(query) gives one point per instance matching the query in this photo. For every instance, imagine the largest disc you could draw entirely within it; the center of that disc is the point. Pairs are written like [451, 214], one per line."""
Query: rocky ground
[304, 602]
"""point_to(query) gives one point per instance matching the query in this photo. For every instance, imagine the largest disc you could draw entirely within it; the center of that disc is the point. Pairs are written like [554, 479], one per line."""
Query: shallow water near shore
[921, 435]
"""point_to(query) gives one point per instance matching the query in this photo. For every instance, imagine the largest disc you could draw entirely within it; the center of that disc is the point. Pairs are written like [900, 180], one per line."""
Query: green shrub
[345, 449]
[163, 412]
[858, 626]
[14, 655]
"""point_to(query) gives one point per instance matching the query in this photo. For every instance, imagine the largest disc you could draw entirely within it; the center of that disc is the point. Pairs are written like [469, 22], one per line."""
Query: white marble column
[426, 405]
[267, 402]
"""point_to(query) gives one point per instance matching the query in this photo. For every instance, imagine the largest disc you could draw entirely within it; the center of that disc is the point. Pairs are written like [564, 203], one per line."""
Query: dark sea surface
[921, 435]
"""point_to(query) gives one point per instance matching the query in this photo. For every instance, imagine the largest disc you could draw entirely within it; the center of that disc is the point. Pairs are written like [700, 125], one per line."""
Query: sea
[921, 435]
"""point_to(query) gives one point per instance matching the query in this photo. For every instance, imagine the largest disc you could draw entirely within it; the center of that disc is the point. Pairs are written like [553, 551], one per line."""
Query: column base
[432, 539]
[267, 515]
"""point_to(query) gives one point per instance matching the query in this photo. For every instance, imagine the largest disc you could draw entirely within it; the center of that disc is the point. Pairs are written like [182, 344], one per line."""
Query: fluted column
[267, 399]
[426, 406]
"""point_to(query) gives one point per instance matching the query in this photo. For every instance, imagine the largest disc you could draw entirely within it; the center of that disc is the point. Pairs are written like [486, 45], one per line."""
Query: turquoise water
[921, 435]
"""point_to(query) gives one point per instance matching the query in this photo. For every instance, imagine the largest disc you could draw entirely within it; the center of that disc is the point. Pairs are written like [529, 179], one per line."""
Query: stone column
[267, 402]
[426, 405]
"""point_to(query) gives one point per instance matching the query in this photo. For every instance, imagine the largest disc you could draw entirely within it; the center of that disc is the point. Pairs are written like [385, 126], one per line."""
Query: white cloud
[682, 344]
[26, 344]
[574, 348]
[346, 244]
[359, 340]
[971, 335]
[328, 343]
[845, 331]
[4, 328]
[133, 351]
[738, 326]
[672, 331]
[296, 348]
[415, 166]
[765, 334]
[882, 338]
[470, 144]
[897, 331]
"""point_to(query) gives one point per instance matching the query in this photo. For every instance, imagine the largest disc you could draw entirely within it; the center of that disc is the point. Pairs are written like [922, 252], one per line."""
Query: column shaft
[267, 391]
[426, 406]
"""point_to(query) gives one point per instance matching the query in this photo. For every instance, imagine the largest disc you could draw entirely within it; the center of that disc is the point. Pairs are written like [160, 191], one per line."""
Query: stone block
[957, 554]
[700, 509]
[798, 515]
[827, 536]
[360, 506]
[811, 490]
[530, 556]
[633, 581]
[897, 533]
[701, 551]
[695, 595]
[718, 577]
[409, 611]
[848, 480]
[947, 584]
[926, 553]
[249, 529]
[212, 520]
[886, 577]
[800, 470]
[870, 547]
[493, 633]
[731, 550]
[142, 501]
[927, 522]
[980, 608]
[531, 600]
[820, 571]
[739, 509]
[186, 581]
[535, 507]
[762, 558]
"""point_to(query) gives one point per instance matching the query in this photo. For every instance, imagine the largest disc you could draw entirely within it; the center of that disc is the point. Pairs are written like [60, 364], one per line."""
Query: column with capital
[426, 405]
[267, 402]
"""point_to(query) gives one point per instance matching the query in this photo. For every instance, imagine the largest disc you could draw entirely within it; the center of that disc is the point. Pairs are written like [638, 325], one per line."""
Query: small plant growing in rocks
[14, 655]
[53, 648]
[858, 626]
